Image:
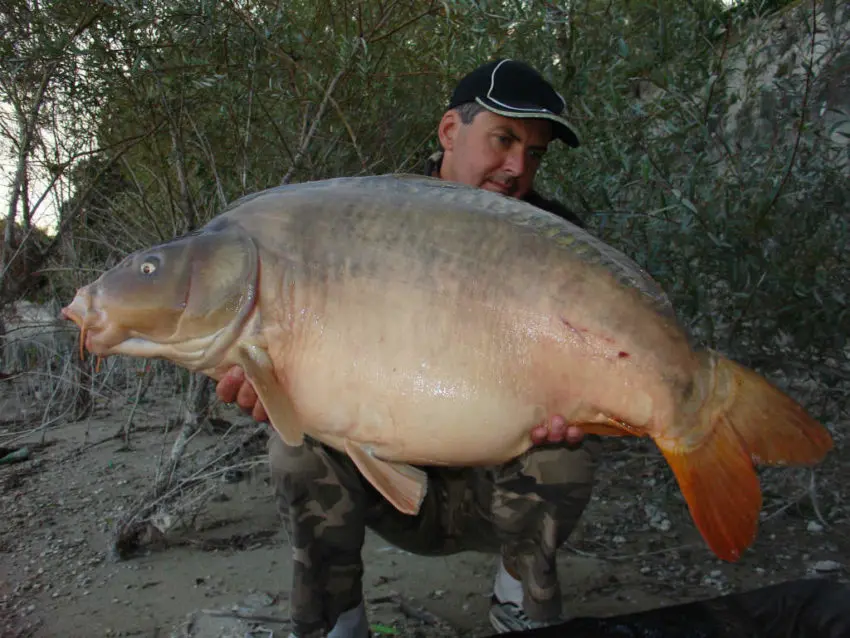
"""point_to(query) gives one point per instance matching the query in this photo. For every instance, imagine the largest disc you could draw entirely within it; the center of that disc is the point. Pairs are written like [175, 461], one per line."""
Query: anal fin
[259, 370]
[400, 483]
[609, 427]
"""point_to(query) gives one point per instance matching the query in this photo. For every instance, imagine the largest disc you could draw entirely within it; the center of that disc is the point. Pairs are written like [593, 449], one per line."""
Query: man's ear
[447, 129]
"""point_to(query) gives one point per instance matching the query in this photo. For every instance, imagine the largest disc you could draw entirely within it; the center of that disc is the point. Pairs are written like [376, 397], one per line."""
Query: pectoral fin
[282, 416]
[400, 483]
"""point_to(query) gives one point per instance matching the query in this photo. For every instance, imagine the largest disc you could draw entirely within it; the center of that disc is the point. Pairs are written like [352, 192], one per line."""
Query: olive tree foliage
[49, 98]
[246, 96]
[716, 155]
[41, 113]
[714, 145]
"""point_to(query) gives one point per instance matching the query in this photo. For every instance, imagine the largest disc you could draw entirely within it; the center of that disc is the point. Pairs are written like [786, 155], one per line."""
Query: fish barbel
[410, 321]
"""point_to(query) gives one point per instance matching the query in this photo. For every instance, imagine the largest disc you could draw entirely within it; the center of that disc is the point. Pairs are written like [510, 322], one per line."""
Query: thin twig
[814, 498]
[247, 137]
[403, 25]
[204, 145]
[800, 123]
[351, 134]
[717, 75]
[305, 142]
[733, 329]
[666, 550]
[128, 425]
[246, 614]
[791, 503]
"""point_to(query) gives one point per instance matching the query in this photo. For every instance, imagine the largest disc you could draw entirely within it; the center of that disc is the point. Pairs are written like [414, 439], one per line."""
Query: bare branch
[305, 142]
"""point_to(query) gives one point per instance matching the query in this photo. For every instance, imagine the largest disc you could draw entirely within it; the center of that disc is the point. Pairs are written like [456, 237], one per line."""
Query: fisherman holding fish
[419, 345]
[499, 123]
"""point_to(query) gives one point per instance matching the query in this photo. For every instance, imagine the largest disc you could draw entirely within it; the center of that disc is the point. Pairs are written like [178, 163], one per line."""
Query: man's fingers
[556, 430]
[557, 427]
[539, 434]
[259, 413]
[247, 397]
[574, 435]
[228, 387]
[234, 387]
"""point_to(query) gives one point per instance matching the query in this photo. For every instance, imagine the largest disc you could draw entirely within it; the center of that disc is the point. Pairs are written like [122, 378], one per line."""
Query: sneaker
[351, 624]
[507, 617]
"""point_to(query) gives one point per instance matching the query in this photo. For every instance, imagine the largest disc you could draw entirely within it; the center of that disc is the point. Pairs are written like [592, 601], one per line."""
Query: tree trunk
[26, 122]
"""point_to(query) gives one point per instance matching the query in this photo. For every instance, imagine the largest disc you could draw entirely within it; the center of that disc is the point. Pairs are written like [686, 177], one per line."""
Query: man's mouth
[505, 188]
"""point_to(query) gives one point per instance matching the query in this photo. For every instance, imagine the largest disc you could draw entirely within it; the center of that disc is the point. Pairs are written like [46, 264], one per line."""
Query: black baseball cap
[514, 89]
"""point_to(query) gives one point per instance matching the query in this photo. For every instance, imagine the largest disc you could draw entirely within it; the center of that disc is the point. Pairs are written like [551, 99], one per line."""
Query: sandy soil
[635, 549]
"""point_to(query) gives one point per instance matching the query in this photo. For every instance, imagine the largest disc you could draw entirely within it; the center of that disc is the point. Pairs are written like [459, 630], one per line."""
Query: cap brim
[562, 129]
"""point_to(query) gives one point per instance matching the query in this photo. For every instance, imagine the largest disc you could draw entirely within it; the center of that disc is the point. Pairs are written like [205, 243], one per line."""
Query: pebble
[657, 518]
[825, 566]
[814, 526]
[259, 600]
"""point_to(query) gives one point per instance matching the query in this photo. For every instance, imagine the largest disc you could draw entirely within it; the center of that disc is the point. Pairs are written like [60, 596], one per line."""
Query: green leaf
[689, 205]
[385, 630]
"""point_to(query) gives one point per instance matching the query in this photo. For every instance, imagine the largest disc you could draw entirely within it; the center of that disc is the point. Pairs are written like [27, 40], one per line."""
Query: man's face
[496, 153]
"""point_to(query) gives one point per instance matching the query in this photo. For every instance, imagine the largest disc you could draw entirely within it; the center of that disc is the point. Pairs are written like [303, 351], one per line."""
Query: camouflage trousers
[523, 510]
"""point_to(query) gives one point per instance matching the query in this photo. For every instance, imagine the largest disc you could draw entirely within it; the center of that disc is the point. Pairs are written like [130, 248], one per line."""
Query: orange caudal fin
[738, 420]
[722, 490]
[773, 428]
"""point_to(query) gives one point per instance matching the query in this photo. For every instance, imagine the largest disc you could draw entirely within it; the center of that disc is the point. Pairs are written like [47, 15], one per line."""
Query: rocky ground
[228, 573]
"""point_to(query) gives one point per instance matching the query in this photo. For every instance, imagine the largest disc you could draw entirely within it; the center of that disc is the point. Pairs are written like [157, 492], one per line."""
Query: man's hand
[555, 430]
[234, 387]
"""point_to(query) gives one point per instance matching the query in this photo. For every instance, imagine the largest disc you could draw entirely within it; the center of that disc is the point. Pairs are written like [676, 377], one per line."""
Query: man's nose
[515, 162]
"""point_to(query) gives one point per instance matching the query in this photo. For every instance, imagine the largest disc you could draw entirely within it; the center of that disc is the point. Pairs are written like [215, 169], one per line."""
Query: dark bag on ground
[808, 608]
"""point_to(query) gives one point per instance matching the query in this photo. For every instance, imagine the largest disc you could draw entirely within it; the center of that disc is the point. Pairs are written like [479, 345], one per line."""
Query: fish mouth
[70, 314]
[102, 336]
[86, 319]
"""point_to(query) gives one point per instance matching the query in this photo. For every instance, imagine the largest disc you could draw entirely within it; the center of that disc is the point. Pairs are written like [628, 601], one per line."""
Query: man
[499, 123]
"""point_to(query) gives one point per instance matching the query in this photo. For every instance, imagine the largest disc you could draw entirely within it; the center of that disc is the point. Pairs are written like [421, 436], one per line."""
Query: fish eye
[149, 266]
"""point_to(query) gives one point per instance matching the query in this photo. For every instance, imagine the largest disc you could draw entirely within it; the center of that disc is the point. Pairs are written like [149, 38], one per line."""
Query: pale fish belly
[431, 412]
[473, 429]
[416, 382]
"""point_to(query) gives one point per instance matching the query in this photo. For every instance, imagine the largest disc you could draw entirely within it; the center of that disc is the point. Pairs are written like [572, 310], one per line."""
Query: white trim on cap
[516, 108]
[533, 113]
